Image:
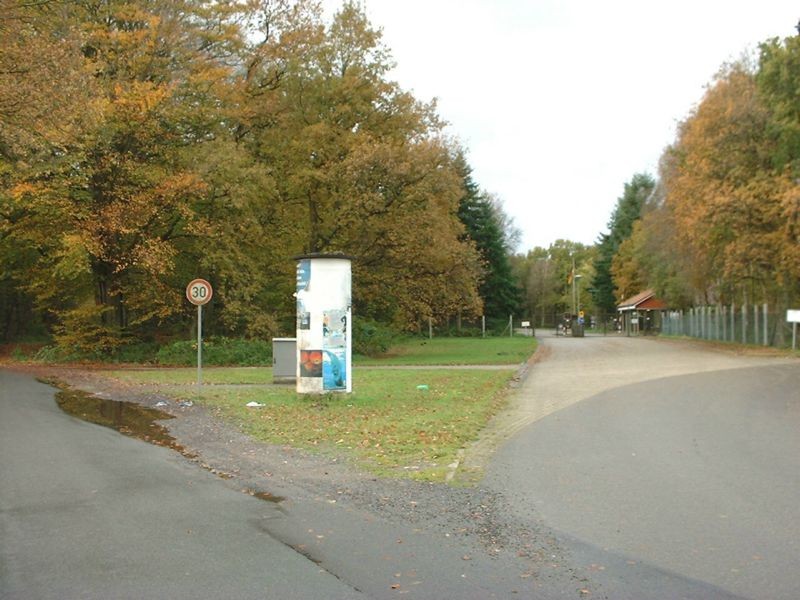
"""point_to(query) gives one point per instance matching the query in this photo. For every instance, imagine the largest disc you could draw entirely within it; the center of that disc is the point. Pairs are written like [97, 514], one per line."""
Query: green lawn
[388, 424]
[456, 351]
[400, 422]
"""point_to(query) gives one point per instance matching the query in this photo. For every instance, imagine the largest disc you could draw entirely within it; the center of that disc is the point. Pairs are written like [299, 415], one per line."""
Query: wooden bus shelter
[641, 314]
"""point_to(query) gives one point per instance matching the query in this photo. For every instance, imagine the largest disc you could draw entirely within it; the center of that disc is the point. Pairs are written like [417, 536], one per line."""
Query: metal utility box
[284, 360]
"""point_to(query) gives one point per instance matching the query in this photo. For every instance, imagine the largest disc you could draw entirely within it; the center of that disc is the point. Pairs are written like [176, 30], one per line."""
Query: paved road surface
[664, 470]
[674, 471]
[88, 513]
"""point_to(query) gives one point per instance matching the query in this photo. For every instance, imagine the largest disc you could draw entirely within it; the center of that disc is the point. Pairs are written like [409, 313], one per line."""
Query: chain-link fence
[747, 324]
[554, 322]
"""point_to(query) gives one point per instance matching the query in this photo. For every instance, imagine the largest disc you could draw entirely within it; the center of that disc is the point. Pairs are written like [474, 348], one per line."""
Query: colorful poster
[334, 328]
[303, 282]
[334, 374]
[303, 275]
[311, 363]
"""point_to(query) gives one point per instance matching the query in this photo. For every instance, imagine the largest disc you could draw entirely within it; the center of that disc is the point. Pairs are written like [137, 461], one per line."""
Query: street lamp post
[575, 302]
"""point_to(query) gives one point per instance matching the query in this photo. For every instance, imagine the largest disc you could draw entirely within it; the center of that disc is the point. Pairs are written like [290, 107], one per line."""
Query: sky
[560, 102]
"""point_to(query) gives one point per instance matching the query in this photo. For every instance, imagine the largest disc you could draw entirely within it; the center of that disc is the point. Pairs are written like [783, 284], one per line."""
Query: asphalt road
[685, 486]
[88, 513]
[636, 469]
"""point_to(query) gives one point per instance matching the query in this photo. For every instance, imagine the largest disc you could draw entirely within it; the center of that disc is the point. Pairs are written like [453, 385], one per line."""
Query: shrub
[371, 338]
[217, 351]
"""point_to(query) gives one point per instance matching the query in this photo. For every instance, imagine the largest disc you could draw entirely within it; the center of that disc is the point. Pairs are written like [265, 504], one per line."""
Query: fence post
[483, 325]
[724, 323]
[702, 321]
[766, 323]
[510, 325]
[744, 323]
[733, 322]
[755, 324]
[430, 328]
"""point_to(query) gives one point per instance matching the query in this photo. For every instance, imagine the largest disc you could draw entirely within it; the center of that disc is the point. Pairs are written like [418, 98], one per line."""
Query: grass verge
[388, 425]
[456, 351]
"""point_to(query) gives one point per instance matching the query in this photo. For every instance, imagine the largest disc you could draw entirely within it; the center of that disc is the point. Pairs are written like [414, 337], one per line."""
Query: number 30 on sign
[199, 291]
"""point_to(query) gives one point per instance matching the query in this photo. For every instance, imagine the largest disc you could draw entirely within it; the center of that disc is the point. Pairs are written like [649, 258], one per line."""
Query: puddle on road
[137, 421]
[128, 418]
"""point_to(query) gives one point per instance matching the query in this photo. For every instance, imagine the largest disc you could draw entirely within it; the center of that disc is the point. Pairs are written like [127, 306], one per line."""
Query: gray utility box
[284, 360]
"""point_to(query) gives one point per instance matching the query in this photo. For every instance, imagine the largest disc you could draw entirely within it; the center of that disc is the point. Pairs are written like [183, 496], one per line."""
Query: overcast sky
[560, 102]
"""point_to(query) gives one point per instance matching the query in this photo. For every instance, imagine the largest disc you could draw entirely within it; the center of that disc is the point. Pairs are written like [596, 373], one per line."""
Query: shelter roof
[645, 300]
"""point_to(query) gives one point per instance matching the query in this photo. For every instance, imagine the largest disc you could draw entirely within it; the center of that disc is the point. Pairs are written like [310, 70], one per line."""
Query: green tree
[627, 211]
[482, 217]
[776, 81]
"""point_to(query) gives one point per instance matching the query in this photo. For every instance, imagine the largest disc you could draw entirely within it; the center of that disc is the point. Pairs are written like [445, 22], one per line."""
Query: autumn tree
[193, 138]
[723, 193]
[360, 166]
[547, 276]
[110, 218]
[46, 102]
[540, 286]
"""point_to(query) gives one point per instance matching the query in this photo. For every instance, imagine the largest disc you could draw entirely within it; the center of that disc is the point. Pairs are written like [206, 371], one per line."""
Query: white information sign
[793, 317]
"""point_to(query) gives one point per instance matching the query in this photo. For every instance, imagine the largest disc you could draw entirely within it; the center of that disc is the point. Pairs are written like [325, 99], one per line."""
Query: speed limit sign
[199, 292]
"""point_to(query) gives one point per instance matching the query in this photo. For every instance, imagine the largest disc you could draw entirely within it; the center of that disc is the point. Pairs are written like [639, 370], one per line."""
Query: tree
[539, 283]
[110, 217]
[723, 193]
[776, 80]
[361, 167]
[486, 225]
[627, 211]
[216, 139]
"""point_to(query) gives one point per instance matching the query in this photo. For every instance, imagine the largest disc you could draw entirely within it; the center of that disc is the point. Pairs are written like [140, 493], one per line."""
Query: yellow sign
[580, 314]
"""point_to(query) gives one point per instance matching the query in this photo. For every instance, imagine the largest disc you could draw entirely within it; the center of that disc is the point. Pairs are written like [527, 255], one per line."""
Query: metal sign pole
[199, 350]
[199, 292]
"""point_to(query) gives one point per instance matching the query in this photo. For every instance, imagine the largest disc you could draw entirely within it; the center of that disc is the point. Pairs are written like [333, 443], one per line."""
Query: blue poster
[303, 280]
[334, 375]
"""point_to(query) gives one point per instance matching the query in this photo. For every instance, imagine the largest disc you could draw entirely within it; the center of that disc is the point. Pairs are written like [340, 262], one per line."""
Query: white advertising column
[324, 338]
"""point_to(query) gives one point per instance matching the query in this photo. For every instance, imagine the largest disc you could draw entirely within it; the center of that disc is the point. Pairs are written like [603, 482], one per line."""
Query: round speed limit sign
[199, 291]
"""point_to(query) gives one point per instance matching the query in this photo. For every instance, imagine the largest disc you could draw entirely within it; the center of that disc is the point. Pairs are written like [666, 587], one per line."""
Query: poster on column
[334, 342]
[323, 324]
[303, 281]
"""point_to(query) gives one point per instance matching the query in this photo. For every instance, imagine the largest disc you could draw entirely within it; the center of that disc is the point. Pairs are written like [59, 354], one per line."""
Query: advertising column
[324, 349]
